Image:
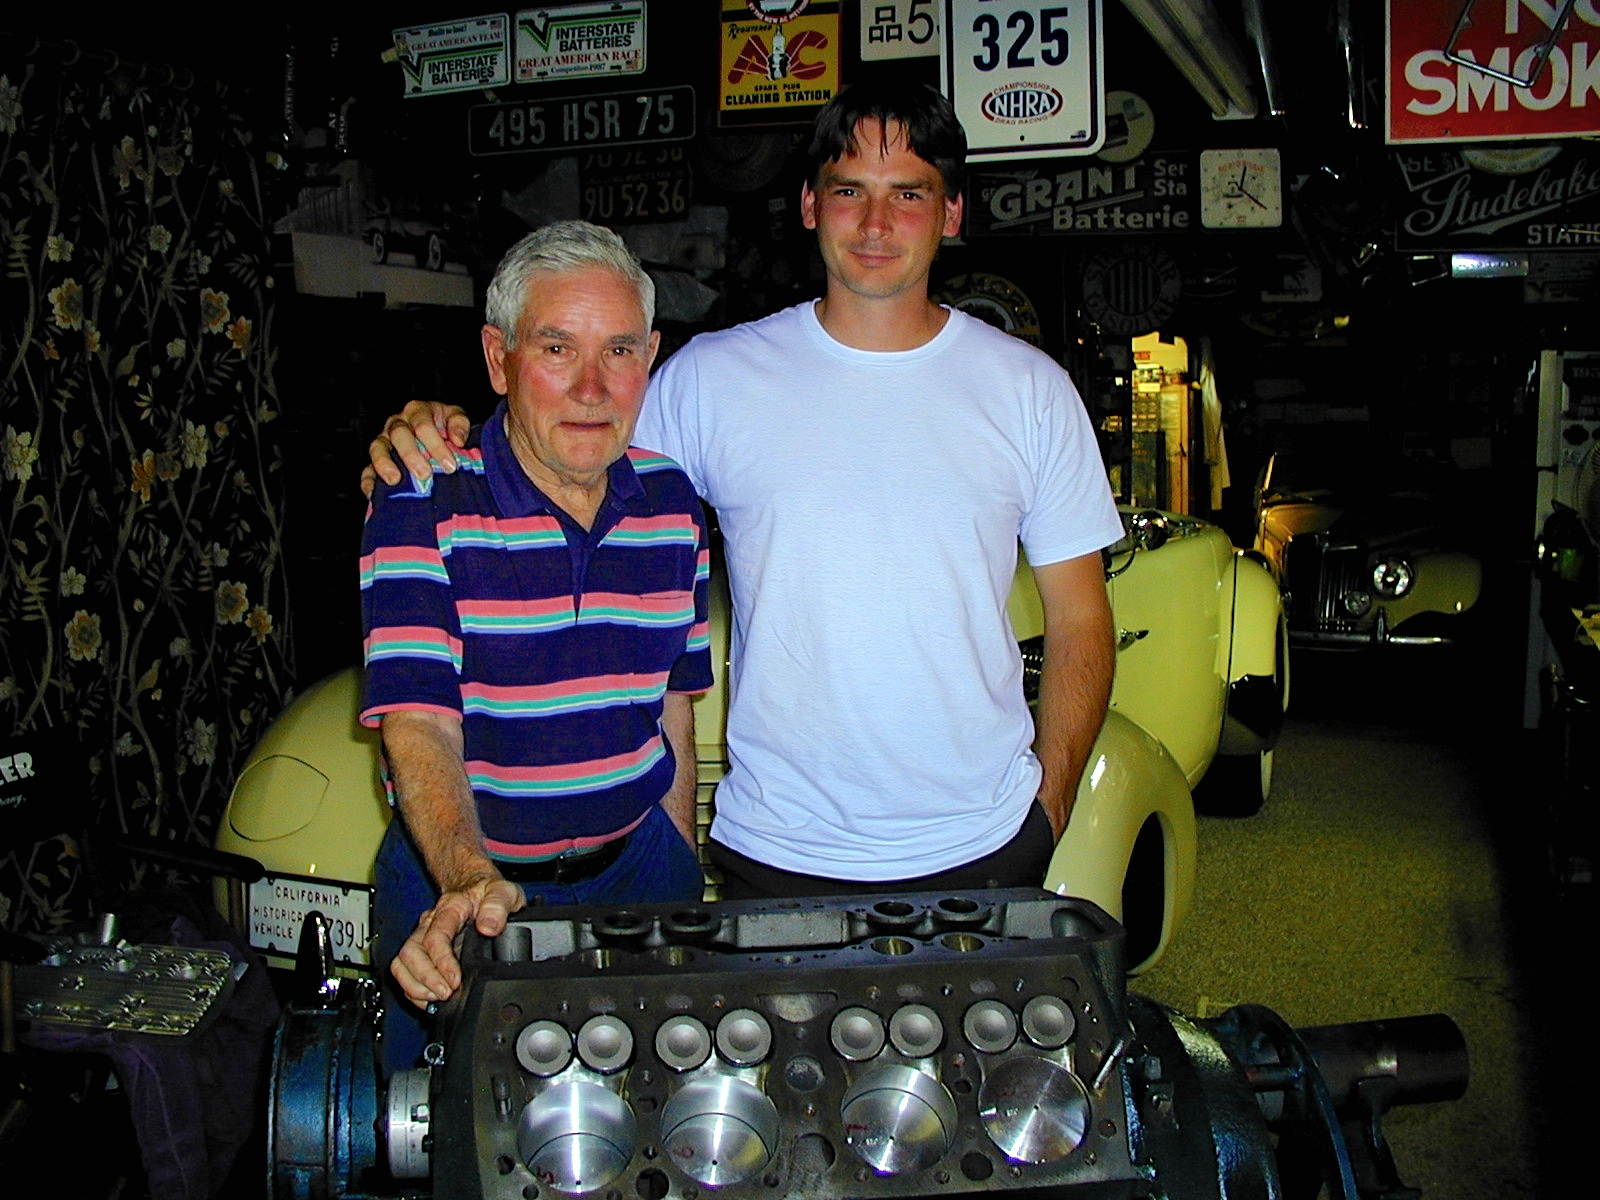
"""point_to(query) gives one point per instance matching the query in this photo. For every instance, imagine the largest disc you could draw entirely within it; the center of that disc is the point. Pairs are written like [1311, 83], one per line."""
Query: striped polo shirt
[553, 644]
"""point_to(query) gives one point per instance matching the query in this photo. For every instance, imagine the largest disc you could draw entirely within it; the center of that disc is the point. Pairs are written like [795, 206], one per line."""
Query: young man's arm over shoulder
[424, 433]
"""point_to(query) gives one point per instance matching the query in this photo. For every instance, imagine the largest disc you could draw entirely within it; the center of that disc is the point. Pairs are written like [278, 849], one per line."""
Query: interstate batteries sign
[1152, 194]
[574, 40]
[454, 56]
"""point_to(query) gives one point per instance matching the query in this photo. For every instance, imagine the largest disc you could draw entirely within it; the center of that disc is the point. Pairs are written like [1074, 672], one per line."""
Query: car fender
[1130, 780]
[1448, 581]
[1258, 660]
[1171, 608]
[309, 800]
[1257, 607]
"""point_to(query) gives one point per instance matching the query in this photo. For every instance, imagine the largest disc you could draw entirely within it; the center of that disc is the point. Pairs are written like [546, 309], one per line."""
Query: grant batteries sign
[1152, 194]
[1432, 99]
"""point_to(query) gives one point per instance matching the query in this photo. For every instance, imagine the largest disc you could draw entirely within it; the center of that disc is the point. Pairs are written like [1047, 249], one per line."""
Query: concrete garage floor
[1398, 870]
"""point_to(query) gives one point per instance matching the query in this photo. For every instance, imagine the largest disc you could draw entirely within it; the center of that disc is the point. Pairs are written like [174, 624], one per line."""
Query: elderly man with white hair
[535, 623]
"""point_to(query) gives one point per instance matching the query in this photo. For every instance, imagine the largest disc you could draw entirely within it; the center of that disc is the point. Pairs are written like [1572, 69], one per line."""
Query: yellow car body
[1197, 623]
[309, 804]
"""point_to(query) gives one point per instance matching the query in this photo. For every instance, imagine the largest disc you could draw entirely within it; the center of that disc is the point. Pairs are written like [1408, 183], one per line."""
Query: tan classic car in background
[1368, 555]
[1201, 685]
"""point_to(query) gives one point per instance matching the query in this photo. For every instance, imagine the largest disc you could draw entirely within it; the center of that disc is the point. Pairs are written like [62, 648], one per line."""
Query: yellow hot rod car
[1198, 700]
[1202, 653]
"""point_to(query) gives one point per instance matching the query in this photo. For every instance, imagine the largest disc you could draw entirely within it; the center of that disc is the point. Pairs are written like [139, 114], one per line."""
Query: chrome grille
[1319, 573]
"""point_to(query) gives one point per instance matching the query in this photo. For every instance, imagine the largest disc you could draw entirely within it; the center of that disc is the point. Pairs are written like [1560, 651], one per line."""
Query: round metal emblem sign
[776, 12]
[994, 300]
[1131, 291]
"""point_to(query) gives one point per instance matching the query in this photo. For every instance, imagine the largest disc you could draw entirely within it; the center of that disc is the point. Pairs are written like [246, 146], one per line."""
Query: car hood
[1401, 519]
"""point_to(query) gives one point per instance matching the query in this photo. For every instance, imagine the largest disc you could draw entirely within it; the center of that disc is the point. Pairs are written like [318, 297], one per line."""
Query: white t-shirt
[870, 505]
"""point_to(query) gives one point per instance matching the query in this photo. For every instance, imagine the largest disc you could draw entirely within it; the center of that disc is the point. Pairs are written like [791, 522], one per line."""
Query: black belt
[566, 868]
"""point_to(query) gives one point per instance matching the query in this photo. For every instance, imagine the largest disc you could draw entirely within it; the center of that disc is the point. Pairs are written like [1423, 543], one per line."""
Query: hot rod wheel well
[1239, 779]
[1130, 790]
[1144, 894]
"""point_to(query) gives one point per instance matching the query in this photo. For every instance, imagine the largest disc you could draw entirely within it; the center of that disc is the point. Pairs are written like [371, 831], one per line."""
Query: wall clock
[1241, 189]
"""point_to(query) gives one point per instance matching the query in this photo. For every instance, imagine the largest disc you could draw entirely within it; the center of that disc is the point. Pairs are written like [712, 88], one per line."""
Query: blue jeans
[657, 865]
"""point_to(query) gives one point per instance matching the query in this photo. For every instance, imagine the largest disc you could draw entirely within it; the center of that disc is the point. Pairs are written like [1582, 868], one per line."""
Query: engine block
[887, 1047]
[912, 1045]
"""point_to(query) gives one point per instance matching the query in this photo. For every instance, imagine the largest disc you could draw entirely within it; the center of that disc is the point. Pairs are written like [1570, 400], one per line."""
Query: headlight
[1356, 602]
[1392, 577]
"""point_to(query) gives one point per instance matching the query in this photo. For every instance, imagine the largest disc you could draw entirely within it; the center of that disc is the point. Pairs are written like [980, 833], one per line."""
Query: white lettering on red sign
[1432, 98]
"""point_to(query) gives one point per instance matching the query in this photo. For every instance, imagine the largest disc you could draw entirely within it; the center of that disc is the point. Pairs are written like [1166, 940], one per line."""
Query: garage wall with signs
[1292, 230]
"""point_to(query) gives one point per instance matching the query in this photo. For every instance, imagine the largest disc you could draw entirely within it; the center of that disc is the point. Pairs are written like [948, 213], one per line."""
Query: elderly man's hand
[427, 968]
[422, 434]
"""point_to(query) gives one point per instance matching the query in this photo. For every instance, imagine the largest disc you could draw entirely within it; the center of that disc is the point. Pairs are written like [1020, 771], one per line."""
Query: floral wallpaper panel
[142, 600]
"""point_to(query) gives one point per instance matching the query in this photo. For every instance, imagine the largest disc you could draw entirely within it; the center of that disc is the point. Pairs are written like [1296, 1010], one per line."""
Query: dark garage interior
[233, 247]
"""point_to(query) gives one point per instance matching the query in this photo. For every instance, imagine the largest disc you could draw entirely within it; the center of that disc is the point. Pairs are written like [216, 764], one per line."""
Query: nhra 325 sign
[1434, 99]
[1026, 77]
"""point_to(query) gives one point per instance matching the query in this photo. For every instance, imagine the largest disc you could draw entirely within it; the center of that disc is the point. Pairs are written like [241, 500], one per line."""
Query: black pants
[1021, 862]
